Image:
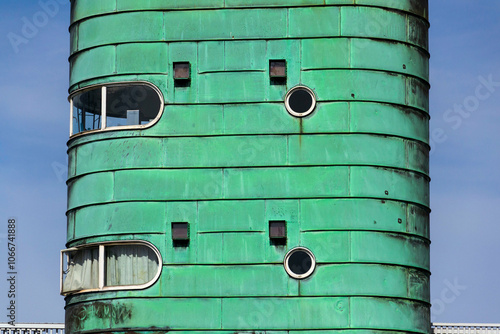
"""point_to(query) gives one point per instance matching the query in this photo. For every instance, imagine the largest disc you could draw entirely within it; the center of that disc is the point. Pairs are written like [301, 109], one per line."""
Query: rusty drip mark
[301, 131]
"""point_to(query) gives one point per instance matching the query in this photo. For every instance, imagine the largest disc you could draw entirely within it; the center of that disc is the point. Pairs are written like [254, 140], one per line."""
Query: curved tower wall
[350, 180]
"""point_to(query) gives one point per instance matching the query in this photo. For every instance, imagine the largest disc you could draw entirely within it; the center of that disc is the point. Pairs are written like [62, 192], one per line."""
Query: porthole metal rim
[290, 272]
[287, 98]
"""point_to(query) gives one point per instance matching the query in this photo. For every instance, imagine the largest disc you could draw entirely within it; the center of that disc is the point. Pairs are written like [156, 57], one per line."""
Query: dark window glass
[87, 111]
[299, 262]
[126, 105]
[131, 105]
[300, 101]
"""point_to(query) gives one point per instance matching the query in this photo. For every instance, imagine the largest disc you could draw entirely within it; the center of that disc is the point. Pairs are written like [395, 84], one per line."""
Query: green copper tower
[248, 166]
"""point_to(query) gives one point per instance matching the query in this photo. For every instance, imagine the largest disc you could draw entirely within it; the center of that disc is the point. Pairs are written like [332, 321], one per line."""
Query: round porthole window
[300, 101]
[300, 263]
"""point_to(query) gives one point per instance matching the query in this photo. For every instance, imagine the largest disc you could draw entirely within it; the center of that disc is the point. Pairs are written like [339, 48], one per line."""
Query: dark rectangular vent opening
[277, 232]
[180, 234]
[277, 71]
[182, 74]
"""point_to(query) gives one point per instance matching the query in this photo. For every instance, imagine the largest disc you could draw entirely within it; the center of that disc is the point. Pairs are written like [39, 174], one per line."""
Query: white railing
[457, 328]
[437, 328]
[32, 329]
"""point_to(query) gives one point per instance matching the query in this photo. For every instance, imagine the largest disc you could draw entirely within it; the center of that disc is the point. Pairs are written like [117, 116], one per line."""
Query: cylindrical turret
[248, 166]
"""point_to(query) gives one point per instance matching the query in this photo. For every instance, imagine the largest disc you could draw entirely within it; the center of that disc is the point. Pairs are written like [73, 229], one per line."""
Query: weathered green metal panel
[229, 24]
[314, 22]
[71, 163]
[277, 313]
[143, 57]
[376, 313]
[381, 118]
[82, 9]
[170, 184]
[238, 151]
[164, 313]
[91, 189]
[70, 226]
[265, 118]
[241, 281]
[88, 8]
[123, 153]
[233, 216]
[250, 151]
[211, 56]
[120, 28]
[389, 183]
[335, 117]
[245, 56]
[375, 22]
[350, 180]
[363, 214]
[84, 66]
[186, 120]
[286, 182]
[119, 218]
[389, 248]
[328, 246]
[168, 4]
[350, 279]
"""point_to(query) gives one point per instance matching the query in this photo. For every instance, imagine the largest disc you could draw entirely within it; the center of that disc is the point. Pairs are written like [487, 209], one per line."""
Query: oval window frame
[287, 267]
[112, 288]
[115, 128]
[287, 101]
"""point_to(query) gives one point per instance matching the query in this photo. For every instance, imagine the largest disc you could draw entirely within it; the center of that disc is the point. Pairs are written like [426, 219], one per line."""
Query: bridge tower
[248, 166]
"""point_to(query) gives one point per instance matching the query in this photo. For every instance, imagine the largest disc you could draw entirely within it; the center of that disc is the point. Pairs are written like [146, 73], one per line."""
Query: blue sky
[465, 161]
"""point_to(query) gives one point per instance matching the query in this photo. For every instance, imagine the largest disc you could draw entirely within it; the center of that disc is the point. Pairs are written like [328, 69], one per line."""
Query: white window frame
[290, 109]
[102, 268]
[103, 107]
[290, 271]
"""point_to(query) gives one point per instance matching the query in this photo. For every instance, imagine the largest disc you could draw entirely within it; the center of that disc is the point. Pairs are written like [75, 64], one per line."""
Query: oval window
[121, 265]
[129, 105]
[300, 101]
[300, 263]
